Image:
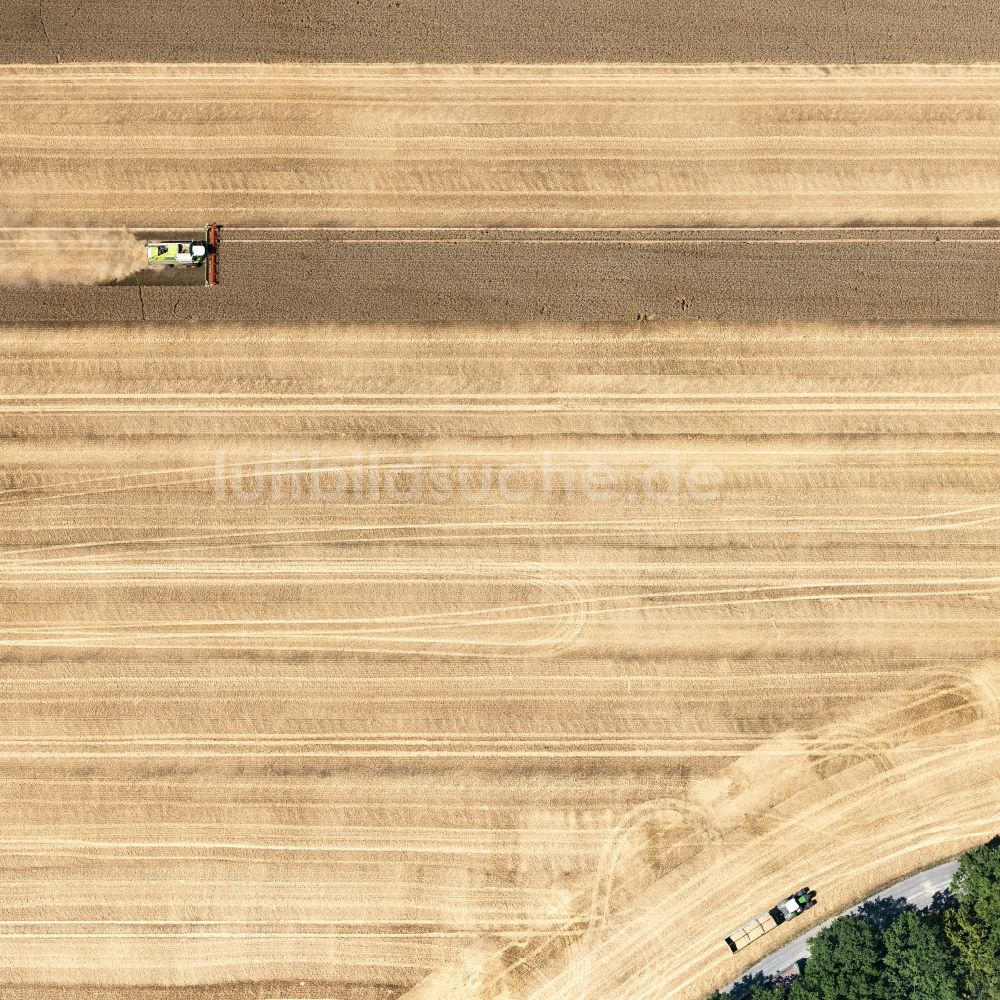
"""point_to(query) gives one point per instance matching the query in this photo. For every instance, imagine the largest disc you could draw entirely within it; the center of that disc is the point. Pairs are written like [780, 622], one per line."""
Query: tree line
[890, 950]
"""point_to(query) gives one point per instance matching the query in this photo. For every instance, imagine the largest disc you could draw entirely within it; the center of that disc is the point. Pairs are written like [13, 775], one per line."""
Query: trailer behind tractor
[789, 908]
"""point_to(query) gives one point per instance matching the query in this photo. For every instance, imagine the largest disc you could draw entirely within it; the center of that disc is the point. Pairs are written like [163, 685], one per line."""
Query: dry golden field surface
[378, 625]
[558, 146]
[480, 661]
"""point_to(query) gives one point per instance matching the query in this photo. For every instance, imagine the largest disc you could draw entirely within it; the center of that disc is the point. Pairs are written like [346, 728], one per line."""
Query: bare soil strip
[482, 746]
[843, 275]
[503, 31]
[582, 146]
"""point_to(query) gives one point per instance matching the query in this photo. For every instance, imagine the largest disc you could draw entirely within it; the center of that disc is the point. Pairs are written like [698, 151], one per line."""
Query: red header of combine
[213, 236]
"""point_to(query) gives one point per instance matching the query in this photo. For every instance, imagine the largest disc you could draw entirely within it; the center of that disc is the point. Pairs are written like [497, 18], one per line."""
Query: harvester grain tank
[788, 909]
[165, 254]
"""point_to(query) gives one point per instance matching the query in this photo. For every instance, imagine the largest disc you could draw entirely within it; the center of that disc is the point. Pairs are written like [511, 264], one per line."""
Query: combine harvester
[162, 256]
[787, 909]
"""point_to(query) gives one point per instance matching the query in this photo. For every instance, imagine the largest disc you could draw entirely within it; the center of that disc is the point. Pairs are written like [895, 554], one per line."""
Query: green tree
[919, 964]
[778, 991]
[890, 951]
[973, 925]
[800, 991]
[846, 962]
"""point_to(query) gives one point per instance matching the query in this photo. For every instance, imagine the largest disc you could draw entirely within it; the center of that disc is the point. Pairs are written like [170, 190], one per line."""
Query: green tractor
[789, 908]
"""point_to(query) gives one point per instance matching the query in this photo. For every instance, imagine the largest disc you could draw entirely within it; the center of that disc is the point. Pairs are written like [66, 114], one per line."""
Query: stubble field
[550, 146]
[372, 657]
[483, 744]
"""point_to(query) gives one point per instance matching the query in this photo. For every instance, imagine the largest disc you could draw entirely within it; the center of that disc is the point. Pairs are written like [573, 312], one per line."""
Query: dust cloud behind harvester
[68, 256]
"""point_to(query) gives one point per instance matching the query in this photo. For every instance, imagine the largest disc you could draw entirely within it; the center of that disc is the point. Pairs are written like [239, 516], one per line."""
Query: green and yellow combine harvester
[188, 254]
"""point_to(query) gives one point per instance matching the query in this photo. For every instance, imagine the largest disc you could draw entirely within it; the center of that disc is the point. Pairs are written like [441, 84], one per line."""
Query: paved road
[918, 890]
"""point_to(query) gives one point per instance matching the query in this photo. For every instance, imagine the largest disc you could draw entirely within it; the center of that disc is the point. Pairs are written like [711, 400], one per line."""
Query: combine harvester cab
[189, 254]
[788, 909]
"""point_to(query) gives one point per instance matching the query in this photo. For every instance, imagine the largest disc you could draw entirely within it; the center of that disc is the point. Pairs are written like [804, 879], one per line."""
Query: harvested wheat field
[518, 662]
[378, 626]
[557, 146]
